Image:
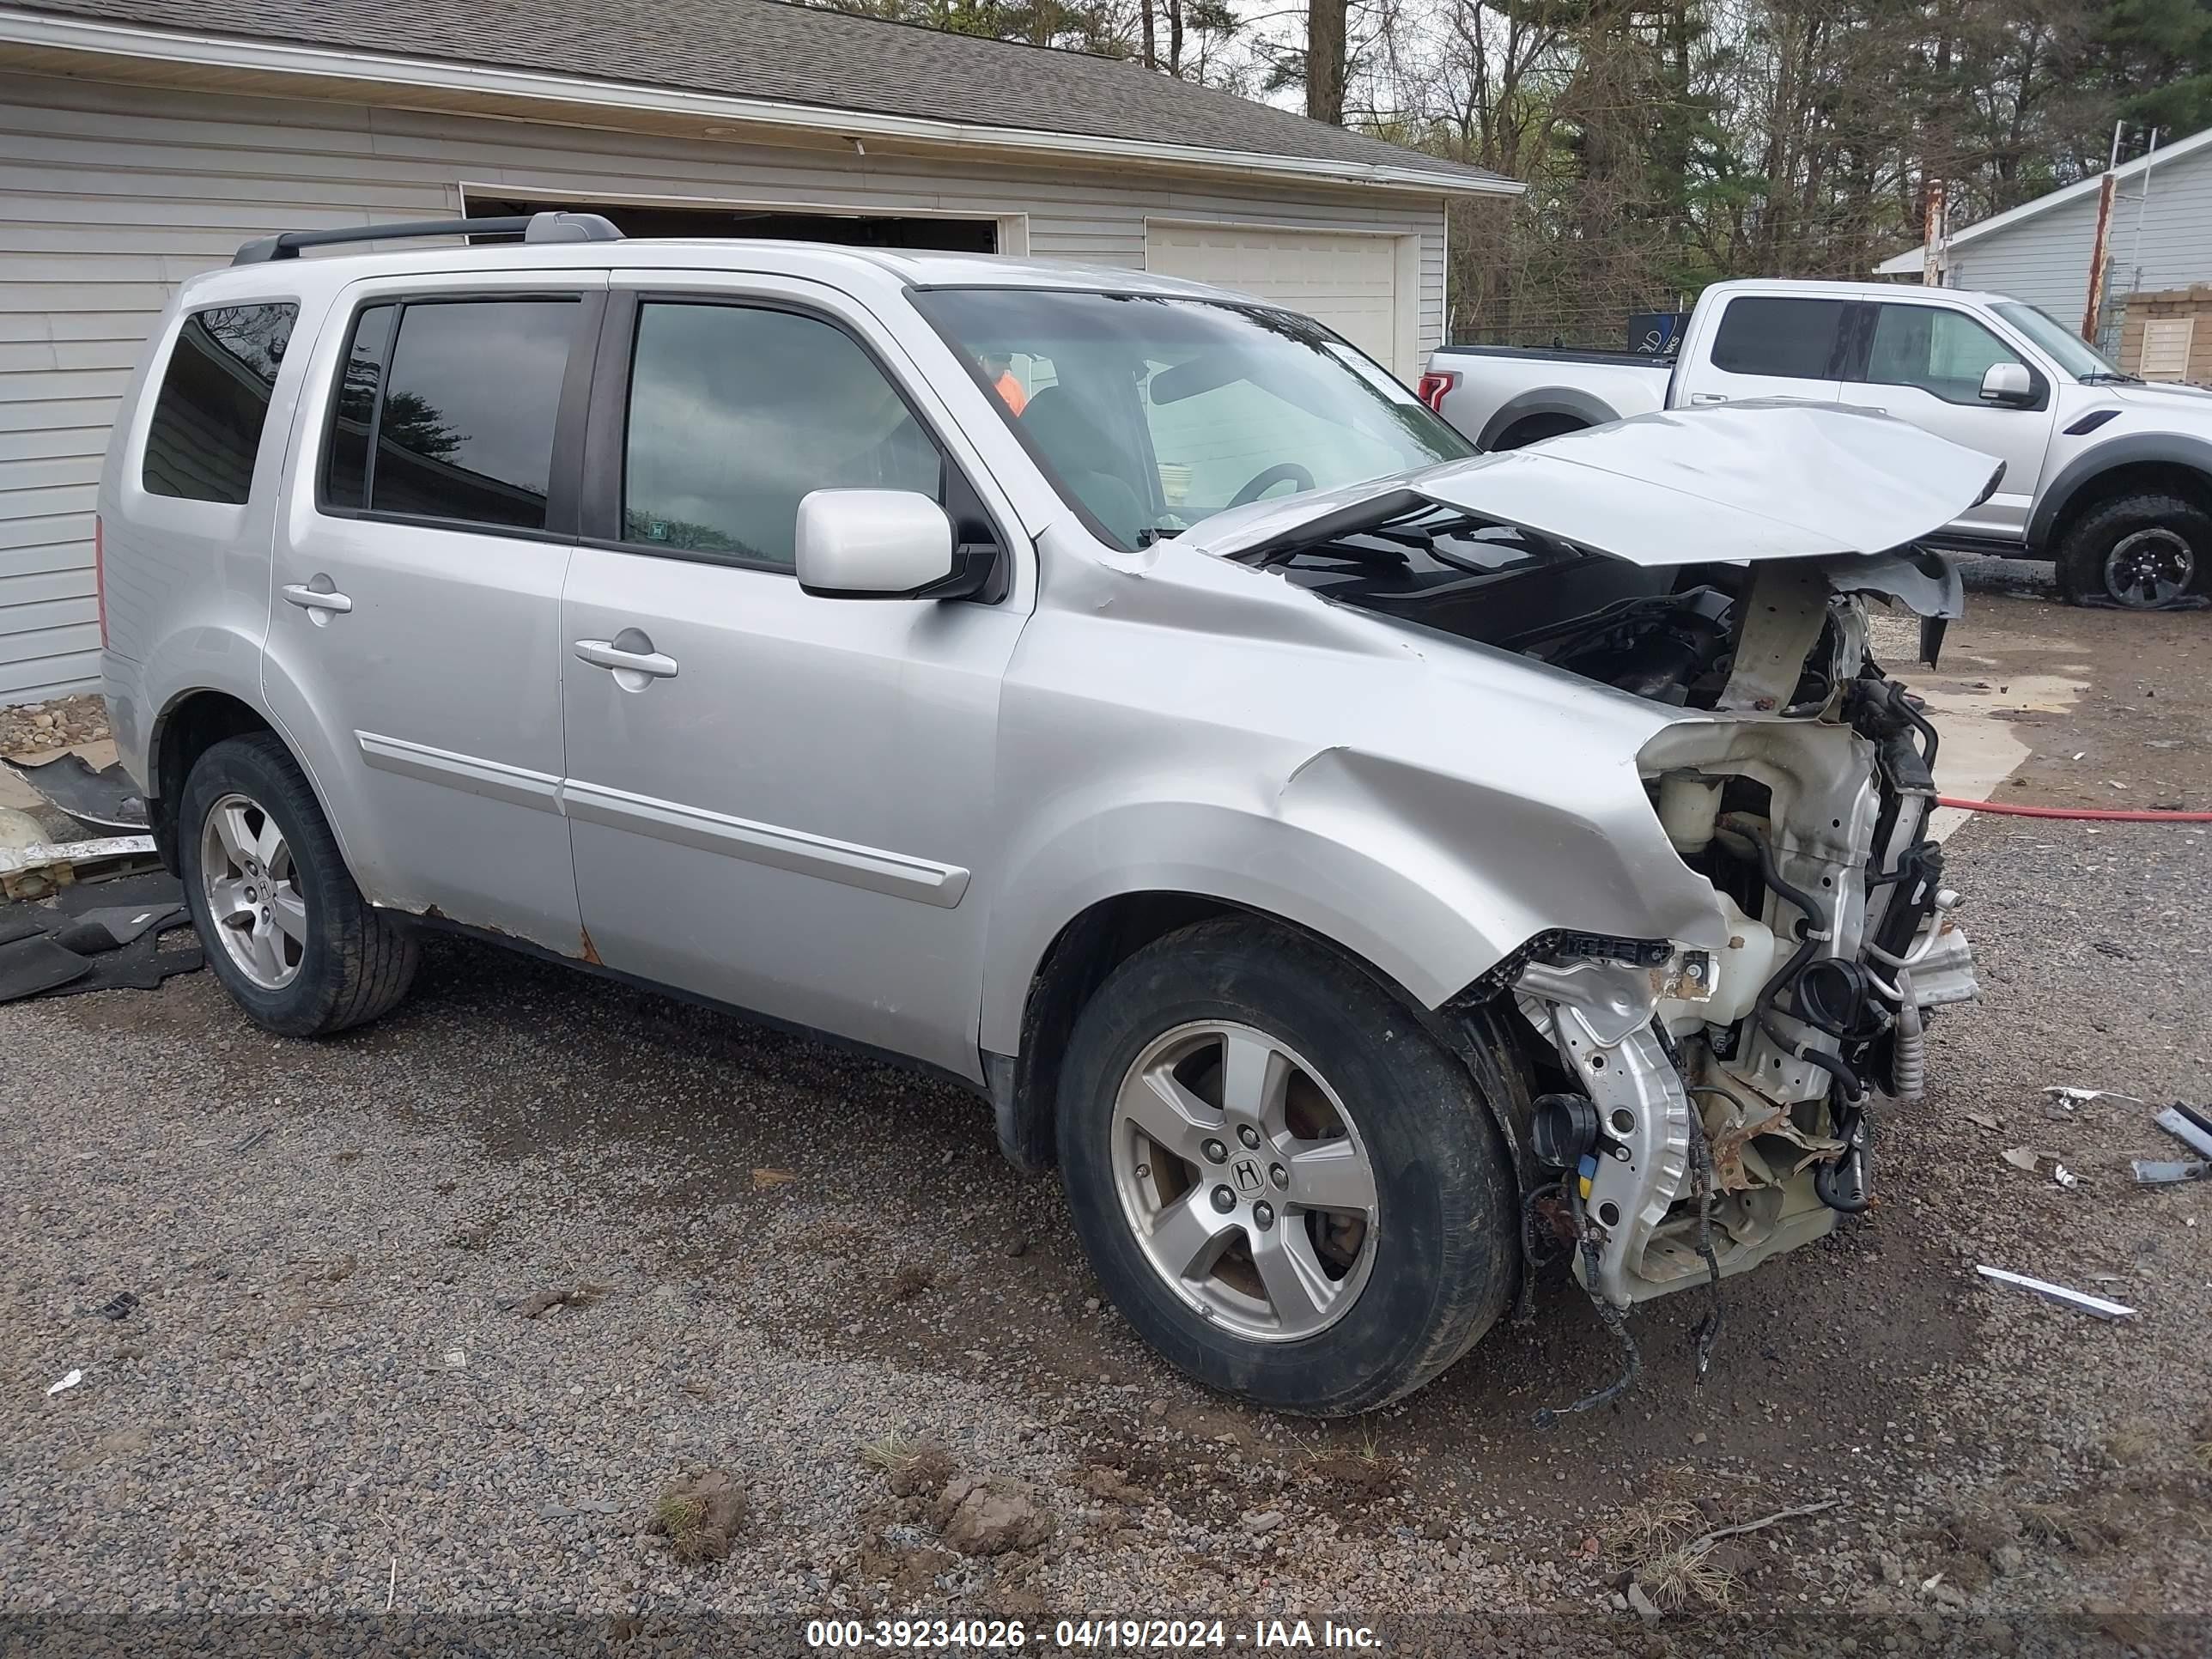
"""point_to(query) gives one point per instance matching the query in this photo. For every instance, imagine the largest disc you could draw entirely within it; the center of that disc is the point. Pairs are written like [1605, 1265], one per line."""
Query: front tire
[1287, 1185]
[2136, 552]
[285, 929]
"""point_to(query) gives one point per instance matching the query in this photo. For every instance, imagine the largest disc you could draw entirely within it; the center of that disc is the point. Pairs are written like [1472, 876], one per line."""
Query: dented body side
[1170, 719]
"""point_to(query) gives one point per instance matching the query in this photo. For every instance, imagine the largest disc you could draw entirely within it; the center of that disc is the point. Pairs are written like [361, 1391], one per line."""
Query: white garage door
[1349, 283]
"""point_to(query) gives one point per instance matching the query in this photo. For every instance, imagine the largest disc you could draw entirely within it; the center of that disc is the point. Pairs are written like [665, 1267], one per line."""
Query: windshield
[2075, 355]
[1150, 414]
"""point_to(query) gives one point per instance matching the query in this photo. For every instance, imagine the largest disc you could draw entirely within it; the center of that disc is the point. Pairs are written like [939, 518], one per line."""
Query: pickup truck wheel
[1288, 1186]
[285, 929]
[2137, 551]
[1534, 428]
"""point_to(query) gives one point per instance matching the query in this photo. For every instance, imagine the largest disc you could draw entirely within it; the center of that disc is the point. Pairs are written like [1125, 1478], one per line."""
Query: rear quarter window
[1790, 339]
[207, 418]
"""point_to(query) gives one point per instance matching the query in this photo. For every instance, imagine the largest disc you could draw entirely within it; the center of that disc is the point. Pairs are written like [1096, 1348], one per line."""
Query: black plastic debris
[96, 936]
[34, 963]
[119, 1307]
[107, 798]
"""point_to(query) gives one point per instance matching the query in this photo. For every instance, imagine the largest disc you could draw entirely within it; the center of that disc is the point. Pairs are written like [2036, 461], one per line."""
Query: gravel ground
[799, 1268]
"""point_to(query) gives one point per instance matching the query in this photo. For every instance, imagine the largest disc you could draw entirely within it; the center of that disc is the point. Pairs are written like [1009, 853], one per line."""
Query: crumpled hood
[1767, 479]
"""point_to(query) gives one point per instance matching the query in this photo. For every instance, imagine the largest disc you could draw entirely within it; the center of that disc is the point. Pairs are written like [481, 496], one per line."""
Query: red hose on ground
[2104, 814]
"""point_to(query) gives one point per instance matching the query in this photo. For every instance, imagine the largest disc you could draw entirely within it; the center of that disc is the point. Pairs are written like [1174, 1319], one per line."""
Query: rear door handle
[321, 604]
[1709, 396]
[606, 653]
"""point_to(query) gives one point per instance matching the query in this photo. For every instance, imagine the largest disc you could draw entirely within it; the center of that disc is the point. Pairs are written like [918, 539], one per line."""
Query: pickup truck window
[738, 411]
[1789, 339]
[1944, 353]
[1150, 414]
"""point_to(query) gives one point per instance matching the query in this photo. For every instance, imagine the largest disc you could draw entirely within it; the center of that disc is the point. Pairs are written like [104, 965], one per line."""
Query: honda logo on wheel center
[1247, 1171]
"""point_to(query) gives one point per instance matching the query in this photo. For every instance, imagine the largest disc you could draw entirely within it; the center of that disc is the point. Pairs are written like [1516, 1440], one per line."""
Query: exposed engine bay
[1706, 1109]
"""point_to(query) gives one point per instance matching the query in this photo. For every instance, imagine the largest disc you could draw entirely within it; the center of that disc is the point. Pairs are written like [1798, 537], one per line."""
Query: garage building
[142, 141]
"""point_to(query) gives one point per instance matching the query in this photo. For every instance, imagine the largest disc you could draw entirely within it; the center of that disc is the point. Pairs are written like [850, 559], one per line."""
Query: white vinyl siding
[109, 195]
[2044, 257]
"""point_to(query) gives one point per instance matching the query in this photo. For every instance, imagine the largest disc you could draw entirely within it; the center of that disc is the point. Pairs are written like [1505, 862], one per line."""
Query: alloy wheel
[1244, 1179]
[2152, 566]
[253, 892]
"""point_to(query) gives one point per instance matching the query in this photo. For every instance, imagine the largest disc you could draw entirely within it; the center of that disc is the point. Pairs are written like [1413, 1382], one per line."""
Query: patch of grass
[679, 1516]
[892, 1451]
[1676, 1577]
[2054, 1523]
[700, 1517]
[1643, 1530]
[912, 1469]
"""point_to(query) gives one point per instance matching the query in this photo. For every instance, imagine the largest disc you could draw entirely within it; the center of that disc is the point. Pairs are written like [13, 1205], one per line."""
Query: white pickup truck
[2108, 477]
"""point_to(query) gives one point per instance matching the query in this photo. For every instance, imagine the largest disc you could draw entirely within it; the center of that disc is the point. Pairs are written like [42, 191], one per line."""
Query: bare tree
[1324, 65]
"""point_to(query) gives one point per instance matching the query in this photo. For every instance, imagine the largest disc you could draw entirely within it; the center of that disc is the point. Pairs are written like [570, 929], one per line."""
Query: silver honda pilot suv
[1362, 868]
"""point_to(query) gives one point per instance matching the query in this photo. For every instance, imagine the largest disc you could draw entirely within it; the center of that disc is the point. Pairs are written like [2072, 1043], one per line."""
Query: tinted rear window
[463, 396]
[1795, 339]
[206, 429]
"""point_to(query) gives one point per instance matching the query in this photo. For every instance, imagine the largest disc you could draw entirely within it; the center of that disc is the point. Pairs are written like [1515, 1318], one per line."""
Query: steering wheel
[1281, 472]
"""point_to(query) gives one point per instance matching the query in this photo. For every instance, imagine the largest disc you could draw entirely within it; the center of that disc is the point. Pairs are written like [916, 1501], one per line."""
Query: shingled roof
[796, 56]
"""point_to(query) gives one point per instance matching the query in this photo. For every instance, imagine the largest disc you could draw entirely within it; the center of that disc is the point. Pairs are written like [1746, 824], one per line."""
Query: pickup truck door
[1765, 345]
[776, 800]
[1924, 363]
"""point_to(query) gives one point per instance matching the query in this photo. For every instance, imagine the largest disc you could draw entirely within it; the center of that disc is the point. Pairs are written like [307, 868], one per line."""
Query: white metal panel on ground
[1349, 281]
[109, 195]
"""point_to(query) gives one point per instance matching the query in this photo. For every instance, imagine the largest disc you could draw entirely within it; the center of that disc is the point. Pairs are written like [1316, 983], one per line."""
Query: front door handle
[1709, 396]
[628, 653]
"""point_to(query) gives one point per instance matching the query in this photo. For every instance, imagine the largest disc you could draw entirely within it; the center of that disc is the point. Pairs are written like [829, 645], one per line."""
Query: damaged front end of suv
[1706, 1100]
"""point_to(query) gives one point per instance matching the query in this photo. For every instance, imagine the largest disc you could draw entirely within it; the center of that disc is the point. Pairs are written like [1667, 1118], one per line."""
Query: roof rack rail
[532, 228]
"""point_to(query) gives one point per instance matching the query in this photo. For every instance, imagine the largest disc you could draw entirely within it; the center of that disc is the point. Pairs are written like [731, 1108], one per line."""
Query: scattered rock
[2007, 1557]
[1640, 1604]
[1111, 1485]
[990, 1515]
[1266, 1521]
[544, 1302]
[1892, 1570]
[700, 1517]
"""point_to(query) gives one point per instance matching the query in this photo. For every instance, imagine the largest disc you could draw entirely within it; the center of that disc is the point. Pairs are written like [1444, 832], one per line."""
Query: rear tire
[1380, 1298]
[285, 929]
[2136, 551]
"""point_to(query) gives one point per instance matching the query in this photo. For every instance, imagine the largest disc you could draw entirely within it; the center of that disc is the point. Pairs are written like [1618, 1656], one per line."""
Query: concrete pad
[1980, 749]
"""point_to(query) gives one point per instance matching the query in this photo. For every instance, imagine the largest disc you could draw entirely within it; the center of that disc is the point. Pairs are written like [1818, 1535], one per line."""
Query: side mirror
[875, 545]
[2008, 383]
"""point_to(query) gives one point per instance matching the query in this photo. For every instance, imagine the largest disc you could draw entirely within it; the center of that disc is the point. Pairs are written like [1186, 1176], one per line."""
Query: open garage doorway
[939, 233]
